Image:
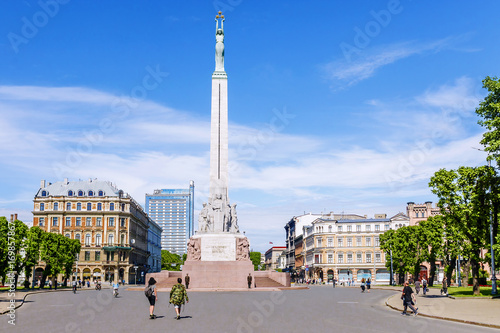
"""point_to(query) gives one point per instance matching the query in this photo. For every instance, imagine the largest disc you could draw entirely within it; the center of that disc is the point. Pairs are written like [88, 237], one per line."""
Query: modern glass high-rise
[173, 211]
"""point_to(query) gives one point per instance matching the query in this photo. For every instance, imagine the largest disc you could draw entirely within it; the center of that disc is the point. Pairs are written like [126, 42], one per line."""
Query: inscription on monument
[218, 249]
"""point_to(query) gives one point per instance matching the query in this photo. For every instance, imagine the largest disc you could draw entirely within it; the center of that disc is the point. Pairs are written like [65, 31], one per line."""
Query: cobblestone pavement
[318, 309]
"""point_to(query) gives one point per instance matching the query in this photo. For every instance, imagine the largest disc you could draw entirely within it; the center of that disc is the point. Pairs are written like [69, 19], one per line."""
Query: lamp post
[392, 275]
[493, 275]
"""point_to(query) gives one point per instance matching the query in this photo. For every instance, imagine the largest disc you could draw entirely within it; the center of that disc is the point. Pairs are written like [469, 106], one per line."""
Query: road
[319, 309]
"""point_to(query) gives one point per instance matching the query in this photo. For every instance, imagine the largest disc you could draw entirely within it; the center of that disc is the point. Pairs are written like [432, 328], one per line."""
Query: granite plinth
[218, 274]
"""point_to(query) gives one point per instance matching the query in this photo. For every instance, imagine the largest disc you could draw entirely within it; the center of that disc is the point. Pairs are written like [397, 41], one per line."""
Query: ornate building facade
[348, 249]
[111, 226]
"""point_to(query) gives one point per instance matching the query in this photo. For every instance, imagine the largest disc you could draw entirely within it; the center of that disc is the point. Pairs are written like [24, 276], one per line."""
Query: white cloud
[348, 72]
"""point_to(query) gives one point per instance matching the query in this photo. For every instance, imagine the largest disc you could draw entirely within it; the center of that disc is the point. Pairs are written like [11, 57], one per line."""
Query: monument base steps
[218, 274]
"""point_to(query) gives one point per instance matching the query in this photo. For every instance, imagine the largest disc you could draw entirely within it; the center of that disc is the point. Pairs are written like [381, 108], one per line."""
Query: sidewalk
[478, 311]
[19, 296]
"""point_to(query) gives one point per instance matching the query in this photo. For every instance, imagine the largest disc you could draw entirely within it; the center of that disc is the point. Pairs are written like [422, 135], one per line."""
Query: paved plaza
[318, 309]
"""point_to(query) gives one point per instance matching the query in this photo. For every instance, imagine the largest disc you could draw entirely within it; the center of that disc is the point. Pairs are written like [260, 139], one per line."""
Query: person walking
[152, 296]
[363, 285]
[368, 284]
[424, 286]
[407, 299]
[50, 284]
[186, 280]
[417, 286]
[178, 296]
[249, 280]
[444, 289]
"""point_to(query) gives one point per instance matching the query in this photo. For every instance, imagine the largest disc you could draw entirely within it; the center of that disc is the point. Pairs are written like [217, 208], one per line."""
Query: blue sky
[333, 105]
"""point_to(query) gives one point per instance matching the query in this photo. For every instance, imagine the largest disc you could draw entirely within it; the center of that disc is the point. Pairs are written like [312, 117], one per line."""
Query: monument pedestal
[218, 274]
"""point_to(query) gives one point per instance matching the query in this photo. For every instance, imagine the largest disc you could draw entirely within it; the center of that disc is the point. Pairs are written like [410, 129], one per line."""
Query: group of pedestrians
[178, 296]
[365, 284]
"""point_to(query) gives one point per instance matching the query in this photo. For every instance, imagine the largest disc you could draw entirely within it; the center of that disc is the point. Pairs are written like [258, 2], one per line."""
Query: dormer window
[80, 193]
[44, 193]
[101, 193]
[70, 193]
[91, 193]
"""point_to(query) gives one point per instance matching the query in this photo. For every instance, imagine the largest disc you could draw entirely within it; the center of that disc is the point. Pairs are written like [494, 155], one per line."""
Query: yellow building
[111, 226]
[348, 249]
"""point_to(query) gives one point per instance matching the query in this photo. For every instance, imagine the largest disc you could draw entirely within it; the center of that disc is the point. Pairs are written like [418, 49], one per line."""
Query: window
[54, 221]
[122, 221]
[330, 242]
[56, 205]
[98, 222]
[330, 258]
[358, 241]
[329, 228]
[110, 239]
[377, 241]
[359, 258]
[349, 228]
[368, 228]
[80, 193]
[349, 258]
[358, 228]
[123, 207]
[42, 207]
[44, 193]
[67, 236]
[79, 206]
[41, 221]
[341, 258]
[101, 193]
[368, 257]
[98, 240]
[340, 242]
[89, 206]
[70, 193]
[68, 205]
[68, 222]
[78, 222]
[91, 193]
[319, 242]
[77, 236]
[112, 206]
[87, 239]
[98, 256]
[349, 241]
[111, 221]
[368, 241]
[122, 240]
[377, 227]
[88, 222]
[423, 214]
[377, 257]
[87, 255]
[386, 227]
[99, 206]
[339, 228]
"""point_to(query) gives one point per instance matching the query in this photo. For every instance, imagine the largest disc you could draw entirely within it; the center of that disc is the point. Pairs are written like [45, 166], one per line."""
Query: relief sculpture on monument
[194, 249]
[242, 249]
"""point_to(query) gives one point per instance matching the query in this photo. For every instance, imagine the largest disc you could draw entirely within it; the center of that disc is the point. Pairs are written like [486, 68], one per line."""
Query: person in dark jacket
[249, 280]
[178, 296]
[186, 280]
[407, 299]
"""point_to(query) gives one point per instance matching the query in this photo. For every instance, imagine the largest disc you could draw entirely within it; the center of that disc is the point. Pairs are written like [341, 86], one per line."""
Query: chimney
[15, 217]
[11, 217]
[65, 181]
[42, 184]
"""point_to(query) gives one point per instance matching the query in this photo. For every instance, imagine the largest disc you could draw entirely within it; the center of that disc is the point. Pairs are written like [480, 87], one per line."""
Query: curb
[444, 318]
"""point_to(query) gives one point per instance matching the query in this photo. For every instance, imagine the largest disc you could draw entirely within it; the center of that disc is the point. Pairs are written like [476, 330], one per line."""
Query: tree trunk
[449, 271]
[475, 277]
[432, 274]
[466, 273]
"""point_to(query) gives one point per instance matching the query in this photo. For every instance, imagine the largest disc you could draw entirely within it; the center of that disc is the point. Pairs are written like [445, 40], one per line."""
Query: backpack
[148, 291]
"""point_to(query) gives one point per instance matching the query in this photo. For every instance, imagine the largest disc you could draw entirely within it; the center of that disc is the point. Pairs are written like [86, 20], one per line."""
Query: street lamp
[392, 275]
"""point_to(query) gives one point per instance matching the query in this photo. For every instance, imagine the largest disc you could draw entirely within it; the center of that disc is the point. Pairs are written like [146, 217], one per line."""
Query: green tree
[32, 250]
[255, 258]
[489, 111]
[404, 245]
[465, 201]
[3, 248]
[432, 230]
[58, 253]
[170, 261]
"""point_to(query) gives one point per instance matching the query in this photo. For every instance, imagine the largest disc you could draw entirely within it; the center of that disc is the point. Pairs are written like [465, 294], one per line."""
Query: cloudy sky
[333, 106]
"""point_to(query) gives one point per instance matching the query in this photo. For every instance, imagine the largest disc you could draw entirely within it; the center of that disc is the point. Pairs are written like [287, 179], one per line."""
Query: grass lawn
[467, 291]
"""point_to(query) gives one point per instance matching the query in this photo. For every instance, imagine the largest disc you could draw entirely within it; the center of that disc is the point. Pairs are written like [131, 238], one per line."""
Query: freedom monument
[218, 254]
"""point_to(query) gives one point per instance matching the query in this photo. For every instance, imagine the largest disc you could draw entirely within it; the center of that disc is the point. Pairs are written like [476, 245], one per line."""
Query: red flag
[270, 242]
